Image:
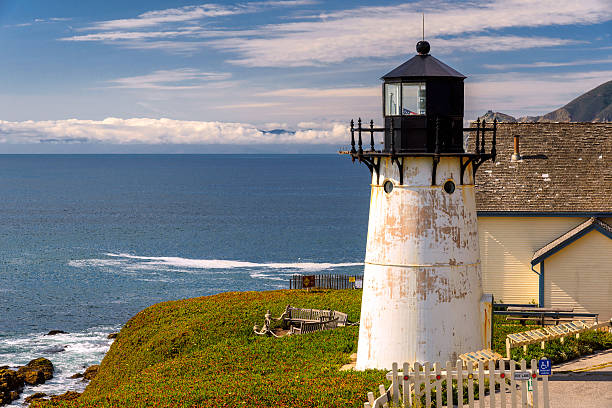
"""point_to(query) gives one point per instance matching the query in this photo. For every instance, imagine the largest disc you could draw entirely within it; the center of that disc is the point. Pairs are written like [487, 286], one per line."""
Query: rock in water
[36, 396]
[11, 384]
[37, 371]
[112, 335]
[54, 349]
[32, 376]
[54, 332]
[91, 372]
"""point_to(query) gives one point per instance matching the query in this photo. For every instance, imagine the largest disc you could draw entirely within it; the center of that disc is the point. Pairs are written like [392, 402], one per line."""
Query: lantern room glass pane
[413, 99]
[392, 99]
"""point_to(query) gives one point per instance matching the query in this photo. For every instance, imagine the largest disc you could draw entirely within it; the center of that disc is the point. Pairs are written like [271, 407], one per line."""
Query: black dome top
[423, 47]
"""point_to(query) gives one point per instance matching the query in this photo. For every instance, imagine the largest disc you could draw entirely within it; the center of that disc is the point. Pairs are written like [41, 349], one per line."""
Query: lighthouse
[422, 292]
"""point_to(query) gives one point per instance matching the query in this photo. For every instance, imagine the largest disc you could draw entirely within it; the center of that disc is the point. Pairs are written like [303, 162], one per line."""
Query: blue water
[88, 241]
[82, 235]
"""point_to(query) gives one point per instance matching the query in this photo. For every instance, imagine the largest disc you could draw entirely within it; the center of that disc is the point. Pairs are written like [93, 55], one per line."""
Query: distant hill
[593, 106]
[501, 117]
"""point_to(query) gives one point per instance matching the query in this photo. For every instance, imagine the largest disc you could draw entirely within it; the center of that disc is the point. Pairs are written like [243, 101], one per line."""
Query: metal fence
[326, 281]
[511, 384]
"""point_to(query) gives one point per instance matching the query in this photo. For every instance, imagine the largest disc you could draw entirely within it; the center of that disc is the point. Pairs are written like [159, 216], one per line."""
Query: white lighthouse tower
[422, 292]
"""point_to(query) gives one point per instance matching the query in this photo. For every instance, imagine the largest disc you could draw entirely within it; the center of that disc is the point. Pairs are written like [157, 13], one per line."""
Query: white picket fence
[510, 379]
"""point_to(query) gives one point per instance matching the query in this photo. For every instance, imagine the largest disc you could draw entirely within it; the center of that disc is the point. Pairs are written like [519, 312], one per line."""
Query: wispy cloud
[40, 21]
[190, 14]
[323, 93]
[172, 15]
[362, 32]
[382, 31]
[176, 79]
[290, 51]
[544, 64]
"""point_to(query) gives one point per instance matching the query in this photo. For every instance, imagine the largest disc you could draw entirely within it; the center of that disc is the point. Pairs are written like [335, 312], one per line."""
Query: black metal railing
[481, 129]
[360, 130]
[371, 157]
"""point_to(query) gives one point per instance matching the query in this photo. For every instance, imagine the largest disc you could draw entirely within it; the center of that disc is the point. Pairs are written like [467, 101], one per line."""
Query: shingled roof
[565, 168]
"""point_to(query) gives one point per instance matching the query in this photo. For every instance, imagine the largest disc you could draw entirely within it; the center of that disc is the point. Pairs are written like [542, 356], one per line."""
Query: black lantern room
[423, 117]
[420, 97]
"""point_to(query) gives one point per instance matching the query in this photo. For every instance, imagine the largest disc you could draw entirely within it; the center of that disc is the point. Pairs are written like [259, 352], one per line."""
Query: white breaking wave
[229, 264]
[80, 350]
[168, 269]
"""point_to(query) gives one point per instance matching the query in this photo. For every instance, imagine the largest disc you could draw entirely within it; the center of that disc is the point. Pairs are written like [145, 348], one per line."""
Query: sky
[192, 77]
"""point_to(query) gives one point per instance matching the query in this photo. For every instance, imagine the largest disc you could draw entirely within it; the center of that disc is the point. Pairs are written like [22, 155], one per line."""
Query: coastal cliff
[202, 352]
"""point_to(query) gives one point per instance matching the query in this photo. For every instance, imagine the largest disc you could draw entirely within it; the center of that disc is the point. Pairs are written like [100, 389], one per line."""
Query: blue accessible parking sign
[544, 366]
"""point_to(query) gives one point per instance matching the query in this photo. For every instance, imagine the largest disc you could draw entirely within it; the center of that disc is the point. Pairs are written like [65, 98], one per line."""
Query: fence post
[371, 399]
[481, 385]
[470, 370]
[417, 385]
[438, 385]
[512, 384]
[427, 377]
[534, 377]
[459, 383]
[449, 384]
[407, 388]
[491, 383]
[524, 386]
[502, 382]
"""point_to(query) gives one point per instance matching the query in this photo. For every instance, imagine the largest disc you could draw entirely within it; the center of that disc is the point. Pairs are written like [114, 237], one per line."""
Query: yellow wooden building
[545, 216]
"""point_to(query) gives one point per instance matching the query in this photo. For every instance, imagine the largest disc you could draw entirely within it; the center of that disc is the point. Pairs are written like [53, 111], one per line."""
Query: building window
[413, 98]
[392, 99]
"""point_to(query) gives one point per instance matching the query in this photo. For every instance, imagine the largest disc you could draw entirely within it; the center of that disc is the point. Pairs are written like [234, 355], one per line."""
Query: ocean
[87, 241]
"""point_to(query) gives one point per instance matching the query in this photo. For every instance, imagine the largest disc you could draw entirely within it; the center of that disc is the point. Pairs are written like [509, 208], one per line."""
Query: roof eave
[595, 224]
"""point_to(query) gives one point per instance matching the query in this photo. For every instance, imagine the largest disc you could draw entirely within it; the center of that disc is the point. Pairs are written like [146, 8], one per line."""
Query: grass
[202, 352]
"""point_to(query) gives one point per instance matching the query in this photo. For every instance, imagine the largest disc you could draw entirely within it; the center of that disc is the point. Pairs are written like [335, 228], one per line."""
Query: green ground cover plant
[202, 352]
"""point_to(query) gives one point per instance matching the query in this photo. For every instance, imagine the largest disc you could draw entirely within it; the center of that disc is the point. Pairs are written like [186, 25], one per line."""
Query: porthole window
[449, 187]
[388, 186]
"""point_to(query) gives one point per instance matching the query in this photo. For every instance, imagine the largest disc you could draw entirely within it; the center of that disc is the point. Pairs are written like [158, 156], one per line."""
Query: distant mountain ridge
[593, 106]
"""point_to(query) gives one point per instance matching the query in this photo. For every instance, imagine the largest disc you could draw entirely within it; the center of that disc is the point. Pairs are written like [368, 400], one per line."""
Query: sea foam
[230, 264]
[80, 350]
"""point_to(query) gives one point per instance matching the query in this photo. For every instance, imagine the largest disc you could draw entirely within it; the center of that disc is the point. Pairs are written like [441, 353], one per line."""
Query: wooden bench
[302, 321]
[293, 315]
[550, 315]
[311, 327]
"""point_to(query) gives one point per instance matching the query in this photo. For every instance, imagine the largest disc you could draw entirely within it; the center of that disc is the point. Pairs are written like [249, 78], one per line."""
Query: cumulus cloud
[162, 131]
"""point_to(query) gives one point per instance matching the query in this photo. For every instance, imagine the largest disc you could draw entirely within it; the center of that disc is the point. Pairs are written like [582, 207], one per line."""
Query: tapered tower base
[422, 281]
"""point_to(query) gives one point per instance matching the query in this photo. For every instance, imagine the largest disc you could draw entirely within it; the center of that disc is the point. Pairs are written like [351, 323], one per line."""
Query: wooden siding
[507, 245]
[580, 276]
